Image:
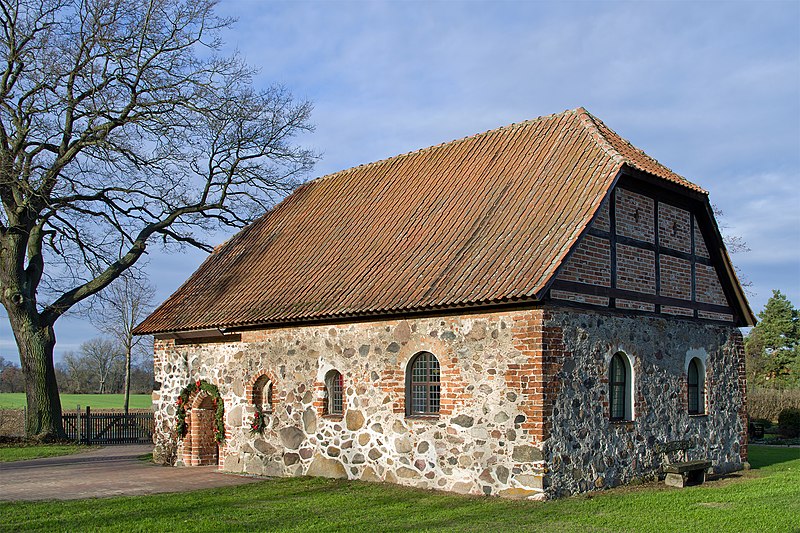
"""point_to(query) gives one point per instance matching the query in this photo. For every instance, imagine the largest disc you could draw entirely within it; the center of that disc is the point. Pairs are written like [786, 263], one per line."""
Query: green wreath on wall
[219, 408]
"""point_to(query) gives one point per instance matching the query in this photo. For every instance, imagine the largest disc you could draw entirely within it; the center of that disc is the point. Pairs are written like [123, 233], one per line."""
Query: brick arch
[453, 394]
[199, 446]
[252, 392]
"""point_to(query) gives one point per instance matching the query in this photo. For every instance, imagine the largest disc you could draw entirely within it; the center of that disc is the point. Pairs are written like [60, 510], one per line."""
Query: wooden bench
[686, 474]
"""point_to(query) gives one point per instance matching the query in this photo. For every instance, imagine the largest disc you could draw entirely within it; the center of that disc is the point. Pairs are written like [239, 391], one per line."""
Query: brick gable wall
[626, 259]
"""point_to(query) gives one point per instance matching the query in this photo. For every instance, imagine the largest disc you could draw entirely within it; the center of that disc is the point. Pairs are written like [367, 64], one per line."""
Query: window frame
[334, 394]
[262, 385]
[614, 386]
[432, 385]
[698, 387]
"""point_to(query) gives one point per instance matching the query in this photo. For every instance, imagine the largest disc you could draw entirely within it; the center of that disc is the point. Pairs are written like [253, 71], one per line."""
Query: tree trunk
[127, 377]
[36, 343]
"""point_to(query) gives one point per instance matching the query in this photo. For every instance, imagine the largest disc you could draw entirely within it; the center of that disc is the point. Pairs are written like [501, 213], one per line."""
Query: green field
[16, 452]
[16, 400]
[764, 499]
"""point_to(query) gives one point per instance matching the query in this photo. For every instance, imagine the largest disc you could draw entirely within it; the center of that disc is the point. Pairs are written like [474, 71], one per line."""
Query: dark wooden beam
[610, 292]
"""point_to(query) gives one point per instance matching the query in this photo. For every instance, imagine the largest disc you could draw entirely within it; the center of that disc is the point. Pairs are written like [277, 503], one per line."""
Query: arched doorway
[200, 447]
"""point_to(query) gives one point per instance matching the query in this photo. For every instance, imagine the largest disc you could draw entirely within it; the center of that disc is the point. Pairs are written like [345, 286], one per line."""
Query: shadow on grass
[766, 457]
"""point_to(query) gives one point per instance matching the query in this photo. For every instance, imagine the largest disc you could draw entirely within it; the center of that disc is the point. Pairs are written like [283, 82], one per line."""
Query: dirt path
[109, 471]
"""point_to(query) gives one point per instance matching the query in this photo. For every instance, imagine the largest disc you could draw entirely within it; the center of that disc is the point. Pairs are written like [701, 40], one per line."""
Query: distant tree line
[11, 377]
[97, 367]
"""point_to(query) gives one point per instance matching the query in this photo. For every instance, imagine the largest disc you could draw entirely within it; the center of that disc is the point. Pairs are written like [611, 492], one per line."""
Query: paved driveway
[110, 471]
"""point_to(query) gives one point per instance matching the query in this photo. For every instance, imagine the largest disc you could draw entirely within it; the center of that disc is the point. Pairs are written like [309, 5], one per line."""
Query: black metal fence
[109, 428]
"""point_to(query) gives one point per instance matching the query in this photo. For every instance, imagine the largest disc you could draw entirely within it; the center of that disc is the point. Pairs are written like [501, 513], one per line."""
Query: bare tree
[735, 245]
[101, 355]
[120, 124]
[76, 373]
[124, 304]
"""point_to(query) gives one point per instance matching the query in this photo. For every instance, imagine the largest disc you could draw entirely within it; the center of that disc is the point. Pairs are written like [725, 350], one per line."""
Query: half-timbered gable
[646, 251]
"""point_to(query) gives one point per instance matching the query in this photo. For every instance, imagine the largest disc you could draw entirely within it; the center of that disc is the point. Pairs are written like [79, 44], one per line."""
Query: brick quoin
[535, 379]
[738, 349]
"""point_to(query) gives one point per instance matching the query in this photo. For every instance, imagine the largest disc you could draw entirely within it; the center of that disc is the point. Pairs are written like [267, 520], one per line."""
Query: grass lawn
[16, 452]
[16, 400]
[765, 499]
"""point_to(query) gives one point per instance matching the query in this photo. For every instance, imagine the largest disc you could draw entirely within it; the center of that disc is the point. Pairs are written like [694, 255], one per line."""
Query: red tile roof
[480, 220]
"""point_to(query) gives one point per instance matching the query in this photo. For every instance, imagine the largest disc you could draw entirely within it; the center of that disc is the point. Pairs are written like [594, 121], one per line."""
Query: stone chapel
[534, 311]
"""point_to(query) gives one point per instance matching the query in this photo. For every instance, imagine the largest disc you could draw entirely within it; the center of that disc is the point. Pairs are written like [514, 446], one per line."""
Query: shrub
[768, 403]
[765, 423]
[789, 423]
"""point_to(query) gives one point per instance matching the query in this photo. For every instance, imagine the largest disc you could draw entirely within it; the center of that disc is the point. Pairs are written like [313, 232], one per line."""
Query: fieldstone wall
[586, 451]
[486, 440]
[522, 401]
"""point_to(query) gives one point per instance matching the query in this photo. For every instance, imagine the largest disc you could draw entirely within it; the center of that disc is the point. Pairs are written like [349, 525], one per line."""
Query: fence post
[78, 428]
[88, 425]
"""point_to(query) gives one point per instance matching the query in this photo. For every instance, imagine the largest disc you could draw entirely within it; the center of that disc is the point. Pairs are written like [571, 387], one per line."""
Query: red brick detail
[393, 383]
[590, 262]
[258, 335]
[678, 311]
[635, 305]
[676, 277]
[534, 380]
[162, 349]
[674, 230]
[738, 349]
[199, 446]
[254, 389]
[708, 288]
[636, 269]
[579, 297]
[634, 215]
[601, 221]
[699, 243]
[710, 315]
[321, 395]
[453, 391]
[453, 387]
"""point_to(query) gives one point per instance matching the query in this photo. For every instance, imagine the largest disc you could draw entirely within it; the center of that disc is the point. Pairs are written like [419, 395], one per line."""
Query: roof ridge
[455, 141]
[589, 122]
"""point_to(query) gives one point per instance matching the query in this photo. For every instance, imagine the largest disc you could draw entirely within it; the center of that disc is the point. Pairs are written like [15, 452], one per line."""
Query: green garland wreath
[259, 423]
[219, 408]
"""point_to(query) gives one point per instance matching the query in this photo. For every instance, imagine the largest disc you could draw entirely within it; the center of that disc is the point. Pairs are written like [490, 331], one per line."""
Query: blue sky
[711, 89]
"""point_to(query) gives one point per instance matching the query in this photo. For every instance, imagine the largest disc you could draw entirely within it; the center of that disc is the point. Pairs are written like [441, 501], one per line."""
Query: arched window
[695, 381]
[422, 385]
[334, 395]
[619, 385]
[262, 394]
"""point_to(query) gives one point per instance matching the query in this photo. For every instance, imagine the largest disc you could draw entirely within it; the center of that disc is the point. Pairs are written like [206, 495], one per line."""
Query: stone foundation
[521, 412]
